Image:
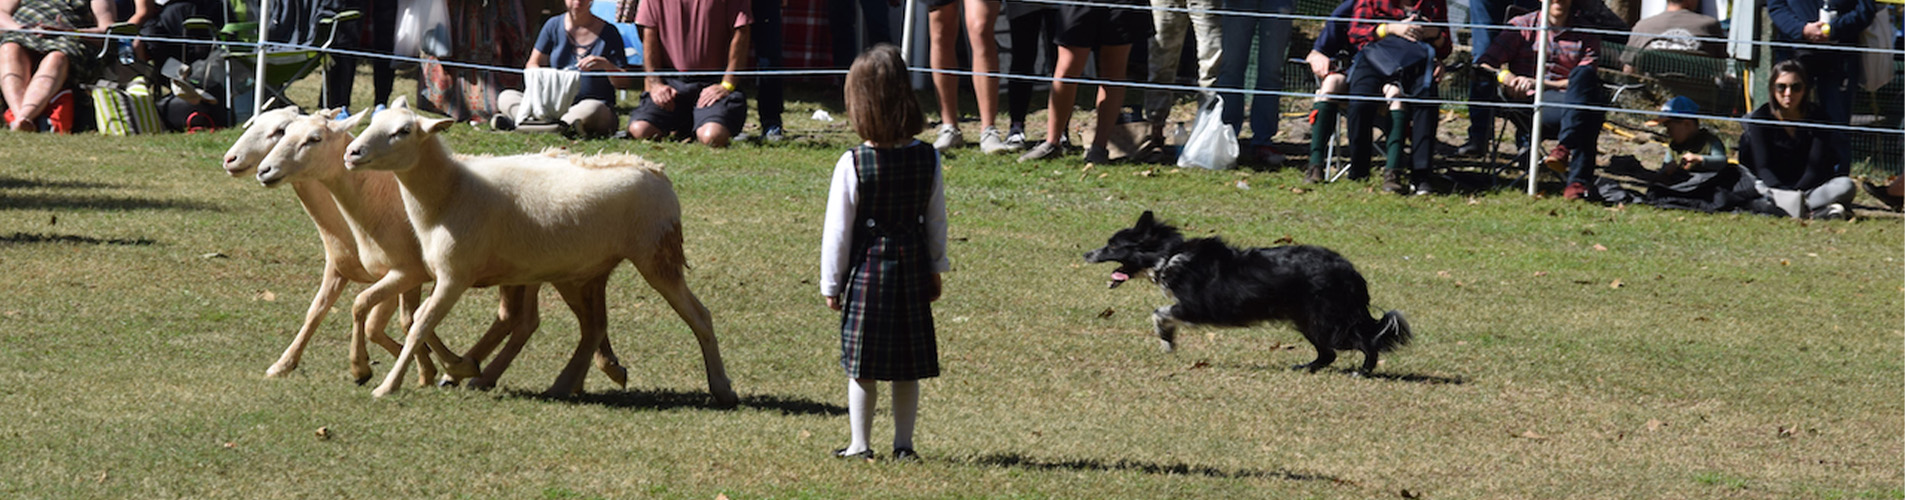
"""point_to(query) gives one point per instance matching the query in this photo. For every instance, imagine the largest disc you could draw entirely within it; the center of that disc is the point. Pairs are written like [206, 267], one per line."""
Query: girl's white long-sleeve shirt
[843, 199]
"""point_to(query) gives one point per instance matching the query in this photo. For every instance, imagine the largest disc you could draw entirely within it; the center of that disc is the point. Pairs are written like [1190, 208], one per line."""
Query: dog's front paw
[1166, 345]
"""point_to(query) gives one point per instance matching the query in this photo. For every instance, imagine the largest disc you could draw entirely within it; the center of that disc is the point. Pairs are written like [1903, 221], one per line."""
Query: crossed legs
[27, 85]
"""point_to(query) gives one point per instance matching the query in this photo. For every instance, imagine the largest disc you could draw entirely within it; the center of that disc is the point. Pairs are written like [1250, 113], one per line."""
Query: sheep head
[395, 139]
[261, 133]
[312, 148]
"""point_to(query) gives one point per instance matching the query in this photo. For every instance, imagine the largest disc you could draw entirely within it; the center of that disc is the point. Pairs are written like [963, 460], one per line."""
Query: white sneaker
[948, 137]
[1831, 212]
[991, 143]
[1015, 140]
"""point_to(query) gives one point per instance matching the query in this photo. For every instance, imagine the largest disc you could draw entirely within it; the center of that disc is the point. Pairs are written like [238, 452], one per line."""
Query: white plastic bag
[1878, 65]
[421, 20]
[1212, 144]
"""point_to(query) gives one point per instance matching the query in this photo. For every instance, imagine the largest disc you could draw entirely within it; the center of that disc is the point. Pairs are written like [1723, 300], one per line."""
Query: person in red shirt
[1571, 79]
[701, 35]
[1396, 43]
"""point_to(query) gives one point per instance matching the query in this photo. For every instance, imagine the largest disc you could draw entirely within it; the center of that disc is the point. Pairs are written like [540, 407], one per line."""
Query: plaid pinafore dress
[886, 326]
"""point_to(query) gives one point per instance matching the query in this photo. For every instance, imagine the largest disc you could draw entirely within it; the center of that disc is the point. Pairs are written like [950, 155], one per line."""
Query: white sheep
[341, 262]
[311, 151]
[535, 219]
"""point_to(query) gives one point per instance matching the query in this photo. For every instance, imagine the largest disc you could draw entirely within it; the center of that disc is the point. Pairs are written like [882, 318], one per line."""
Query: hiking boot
[1575, 191]
[949, 137]
[1832, 212]
[1313, 174]
[1098, 156]
[1269, 156]
[1557, 159]
[1045, 150]
[1392, 182]
[990, 142]
[774, 134]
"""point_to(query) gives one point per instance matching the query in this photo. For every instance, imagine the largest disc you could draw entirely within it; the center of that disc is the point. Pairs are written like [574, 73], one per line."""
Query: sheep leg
[432, 312]
[396, 281]
[588, 300]
[519, 303]
[360, 354]
[606, 361]
[663, 272]
[426, 370]
[329, 288]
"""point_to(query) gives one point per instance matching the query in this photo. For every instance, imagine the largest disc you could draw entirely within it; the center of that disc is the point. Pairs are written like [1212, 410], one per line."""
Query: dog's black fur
[1215, 284]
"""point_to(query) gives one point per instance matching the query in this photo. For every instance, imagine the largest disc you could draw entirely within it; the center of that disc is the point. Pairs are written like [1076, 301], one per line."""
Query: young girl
[883, 247]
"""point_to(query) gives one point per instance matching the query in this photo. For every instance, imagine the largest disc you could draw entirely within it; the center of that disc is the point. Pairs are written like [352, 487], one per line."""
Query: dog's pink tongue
[1119, 276]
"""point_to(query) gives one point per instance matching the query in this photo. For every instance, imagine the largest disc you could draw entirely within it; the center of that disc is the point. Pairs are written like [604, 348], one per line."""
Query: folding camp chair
[283, 65]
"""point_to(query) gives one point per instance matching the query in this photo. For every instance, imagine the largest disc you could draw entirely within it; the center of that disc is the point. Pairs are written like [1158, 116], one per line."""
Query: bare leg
[984, 41]
[1112, 61]
[16, 66]
[1071, 63]
[942, 26]
[46, 81]
[714, 135]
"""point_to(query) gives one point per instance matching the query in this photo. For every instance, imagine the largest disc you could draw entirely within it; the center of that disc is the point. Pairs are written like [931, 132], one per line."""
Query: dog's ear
[1145, 219]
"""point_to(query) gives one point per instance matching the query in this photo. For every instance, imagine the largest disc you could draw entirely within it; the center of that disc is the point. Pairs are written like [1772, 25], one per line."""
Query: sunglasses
[1789, 87]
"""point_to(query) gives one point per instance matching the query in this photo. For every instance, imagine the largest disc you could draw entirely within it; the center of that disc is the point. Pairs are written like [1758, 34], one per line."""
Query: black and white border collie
[1215, 284]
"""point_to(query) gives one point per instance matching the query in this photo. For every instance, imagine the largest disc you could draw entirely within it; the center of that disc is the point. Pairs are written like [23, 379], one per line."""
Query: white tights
[860, 396]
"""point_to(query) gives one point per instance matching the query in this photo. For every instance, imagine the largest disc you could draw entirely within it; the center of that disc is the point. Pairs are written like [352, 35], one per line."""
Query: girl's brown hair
[880, 102]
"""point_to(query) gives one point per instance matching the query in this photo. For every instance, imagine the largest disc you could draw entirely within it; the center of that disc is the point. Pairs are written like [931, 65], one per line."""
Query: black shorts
[936, 4]
[730, 111]
[1080, 26]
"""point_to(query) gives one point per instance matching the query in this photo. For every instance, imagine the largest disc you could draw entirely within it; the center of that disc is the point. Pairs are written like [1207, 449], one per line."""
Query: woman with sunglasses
[1797, 166]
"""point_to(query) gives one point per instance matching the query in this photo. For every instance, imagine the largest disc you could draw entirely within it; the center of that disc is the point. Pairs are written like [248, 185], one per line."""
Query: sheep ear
[349, 123]
[328, 113]
[437, 126]
[401, 102]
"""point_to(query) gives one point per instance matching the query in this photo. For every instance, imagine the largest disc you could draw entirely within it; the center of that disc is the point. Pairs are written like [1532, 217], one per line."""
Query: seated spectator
[1674, 30]
[34, 67]
[576, 41]
[1694, 172]
[1329, 60]
[707, 35]
[1798, 166]
[1571, 79]
[168, 21]
[1395, 46]
[1083, 30]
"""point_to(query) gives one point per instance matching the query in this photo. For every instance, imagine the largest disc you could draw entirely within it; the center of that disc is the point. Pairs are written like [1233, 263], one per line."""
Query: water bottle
[1826, 16]
[125, 52]
[1179, 135]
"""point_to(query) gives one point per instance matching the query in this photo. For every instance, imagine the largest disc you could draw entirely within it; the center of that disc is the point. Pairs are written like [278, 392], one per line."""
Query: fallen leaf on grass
[1145, 173]
[231, 445]
[1655, 424]
[720, 496]
[1442, 274]
[1533, 435]
[324, 433]
[1540, 273]
[1615, 284]
[804, 434]
[267, 296]
[1599, 248]
[1410, 494]
[1785, 262]
[1200, 364]
[1285, 240]
[214, 255]
[1106, 313]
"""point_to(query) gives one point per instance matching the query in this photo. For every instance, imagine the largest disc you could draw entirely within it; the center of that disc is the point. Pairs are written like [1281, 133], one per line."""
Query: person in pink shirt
[692, 35]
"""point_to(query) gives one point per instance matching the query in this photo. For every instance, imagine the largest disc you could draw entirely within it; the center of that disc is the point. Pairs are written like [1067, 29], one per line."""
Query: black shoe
[1469, 150]
[1877, 192]
[1392, 182]
[501, 123]
[905, 455]
[1423, 188]
[863, 454]
[1313, 174]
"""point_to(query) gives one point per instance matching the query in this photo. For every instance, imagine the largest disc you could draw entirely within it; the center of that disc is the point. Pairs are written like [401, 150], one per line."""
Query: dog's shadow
[658, 399]
[1351, 372]
[1022, 461]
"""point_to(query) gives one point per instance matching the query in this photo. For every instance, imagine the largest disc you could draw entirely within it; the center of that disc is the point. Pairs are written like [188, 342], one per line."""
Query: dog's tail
[1392, 331]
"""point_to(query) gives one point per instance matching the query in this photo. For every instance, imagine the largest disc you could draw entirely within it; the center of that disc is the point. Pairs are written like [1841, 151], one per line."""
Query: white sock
[860, 395]
[905, 412]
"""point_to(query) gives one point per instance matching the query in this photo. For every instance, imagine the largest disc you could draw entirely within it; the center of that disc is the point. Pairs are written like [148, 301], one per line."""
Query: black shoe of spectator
[1392, 182]
[1877, 192]
[1469, 150]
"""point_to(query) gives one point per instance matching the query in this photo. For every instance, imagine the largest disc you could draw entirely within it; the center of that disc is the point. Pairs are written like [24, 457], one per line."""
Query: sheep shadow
[1022, 461]
[100, 203]
[18, 183]
[31, 238]
[669, 399]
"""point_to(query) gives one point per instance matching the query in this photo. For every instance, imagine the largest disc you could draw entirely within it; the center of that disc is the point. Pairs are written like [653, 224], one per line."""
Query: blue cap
[1678, 107]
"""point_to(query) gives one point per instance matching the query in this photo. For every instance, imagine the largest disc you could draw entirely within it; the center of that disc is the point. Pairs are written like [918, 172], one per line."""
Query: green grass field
[1563, 349]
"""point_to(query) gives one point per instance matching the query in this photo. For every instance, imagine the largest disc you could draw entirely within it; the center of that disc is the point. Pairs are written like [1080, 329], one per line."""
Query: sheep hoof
[383, 390]
[726, 399]
[446, 383]
[464, 368]
[617, 374]
[481, 383]
[280, 370]
[363, 380]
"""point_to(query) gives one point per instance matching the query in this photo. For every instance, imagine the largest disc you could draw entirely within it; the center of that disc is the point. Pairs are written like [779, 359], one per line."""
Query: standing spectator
[576, 41]
[704, 35]
[1167, 49]
[883, 246]
[767, 37]
[942, 21]
[1797, 166]
[1027, 21]
[34, 67]
[1571, 79]
[1272, 36]
[1109, 31]
[1833, 71]
[843, 22]
[1394, 45]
